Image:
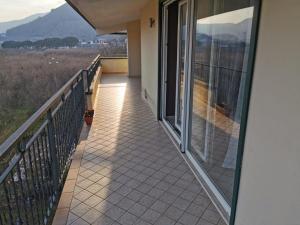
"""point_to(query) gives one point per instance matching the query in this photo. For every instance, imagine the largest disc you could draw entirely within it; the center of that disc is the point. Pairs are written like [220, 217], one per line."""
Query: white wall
[114, 65]
[134, 48]
[149, 41]
[270, 182]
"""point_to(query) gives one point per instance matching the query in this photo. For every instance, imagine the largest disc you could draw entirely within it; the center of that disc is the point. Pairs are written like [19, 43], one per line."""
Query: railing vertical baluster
[82, 104]
[71, 110]
[67, 119]
[61, 129]
[39, 179]
[28, 187]
[16, 197]
[43, 183]
[9, 206]
[53, 153]
[23, 194]
[73, 116]
[59, 117]
[47, 166]
[22, 147]
[43, 166]
[55, 126]
[34, 185]
[1, 221]
[86, 80]
[83, 87]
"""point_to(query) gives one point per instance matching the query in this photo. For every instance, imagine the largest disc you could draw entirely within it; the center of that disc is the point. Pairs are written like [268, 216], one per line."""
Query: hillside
[4, 26]
[227, 31]
[60, 22]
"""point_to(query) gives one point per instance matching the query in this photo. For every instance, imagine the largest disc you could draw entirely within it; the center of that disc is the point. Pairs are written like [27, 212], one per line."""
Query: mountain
[60, 22]
[4, 26]
[227, 31]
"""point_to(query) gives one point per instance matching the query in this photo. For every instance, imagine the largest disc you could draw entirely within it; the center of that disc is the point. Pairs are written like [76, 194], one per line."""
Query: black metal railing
[36, 158]
[224, 83]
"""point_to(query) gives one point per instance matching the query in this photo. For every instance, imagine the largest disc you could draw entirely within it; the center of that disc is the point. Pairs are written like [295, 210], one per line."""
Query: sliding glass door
[221, 43]
[206, 48]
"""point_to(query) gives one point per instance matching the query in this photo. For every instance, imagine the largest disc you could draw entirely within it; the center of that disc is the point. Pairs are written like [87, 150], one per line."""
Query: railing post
[53, 152]
[85, 74]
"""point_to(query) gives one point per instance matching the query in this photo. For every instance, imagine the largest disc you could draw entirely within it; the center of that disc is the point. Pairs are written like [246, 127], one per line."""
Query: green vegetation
[29, 78]
[45, 43]
[10, 121]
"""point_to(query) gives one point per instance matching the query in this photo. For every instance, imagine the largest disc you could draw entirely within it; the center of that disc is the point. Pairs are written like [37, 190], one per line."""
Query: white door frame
[178, 69]
[179, 139]
[164, 70]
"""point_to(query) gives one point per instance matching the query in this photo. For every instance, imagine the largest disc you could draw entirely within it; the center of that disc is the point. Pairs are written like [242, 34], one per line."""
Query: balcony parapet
[107, 65]
[114, 65]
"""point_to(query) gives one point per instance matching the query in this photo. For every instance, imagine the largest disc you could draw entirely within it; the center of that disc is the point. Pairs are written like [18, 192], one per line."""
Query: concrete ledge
[114, 65]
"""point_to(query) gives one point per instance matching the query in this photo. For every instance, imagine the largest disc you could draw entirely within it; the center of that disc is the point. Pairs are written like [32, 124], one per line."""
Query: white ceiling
[109, 15]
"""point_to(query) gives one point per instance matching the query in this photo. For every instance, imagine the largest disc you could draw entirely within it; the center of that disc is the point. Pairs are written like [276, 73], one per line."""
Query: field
[29, 78]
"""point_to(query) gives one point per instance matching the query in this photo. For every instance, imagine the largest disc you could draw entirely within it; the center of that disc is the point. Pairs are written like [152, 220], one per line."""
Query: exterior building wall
[149, 47]
[134, 48]
[115, 65]
[270, 179]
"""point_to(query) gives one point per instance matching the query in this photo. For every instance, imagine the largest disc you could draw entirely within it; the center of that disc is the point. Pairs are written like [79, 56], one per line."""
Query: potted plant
[88, 117]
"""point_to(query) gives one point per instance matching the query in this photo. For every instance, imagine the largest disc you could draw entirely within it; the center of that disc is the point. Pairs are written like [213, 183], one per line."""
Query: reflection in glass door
[221, 43]
[205, 61]
[181, 61]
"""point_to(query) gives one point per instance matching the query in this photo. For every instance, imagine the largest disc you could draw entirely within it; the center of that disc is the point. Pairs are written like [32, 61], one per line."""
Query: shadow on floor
[130, 172]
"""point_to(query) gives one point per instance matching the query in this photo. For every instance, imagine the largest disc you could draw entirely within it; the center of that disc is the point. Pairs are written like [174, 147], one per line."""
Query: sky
[19, 9]
[235, 17]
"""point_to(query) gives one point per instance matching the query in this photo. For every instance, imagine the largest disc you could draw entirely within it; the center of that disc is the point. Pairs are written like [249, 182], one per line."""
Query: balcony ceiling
[108, 16]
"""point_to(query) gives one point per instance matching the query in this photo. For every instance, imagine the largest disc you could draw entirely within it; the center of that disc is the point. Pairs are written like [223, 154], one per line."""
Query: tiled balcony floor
[129, 171]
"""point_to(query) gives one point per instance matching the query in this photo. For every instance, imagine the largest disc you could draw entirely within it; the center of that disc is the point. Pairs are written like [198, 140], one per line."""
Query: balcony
[124, 169]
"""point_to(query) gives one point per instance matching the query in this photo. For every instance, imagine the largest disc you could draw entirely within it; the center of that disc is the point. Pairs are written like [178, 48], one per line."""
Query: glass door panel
[221, 43]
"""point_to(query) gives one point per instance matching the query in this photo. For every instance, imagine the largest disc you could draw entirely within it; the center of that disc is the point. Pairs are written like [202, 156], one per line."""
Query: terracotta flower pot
[88, 117]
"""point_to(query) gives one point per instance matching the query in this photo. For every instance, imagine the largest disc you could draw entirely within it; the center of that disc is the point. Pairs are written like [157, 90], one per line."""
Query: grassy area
[11, 120]
[29, 78]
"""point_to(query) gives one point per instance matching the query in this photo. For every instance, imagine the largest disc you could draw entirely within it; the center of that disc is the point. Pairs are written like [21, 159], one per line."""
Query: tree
[45, 43]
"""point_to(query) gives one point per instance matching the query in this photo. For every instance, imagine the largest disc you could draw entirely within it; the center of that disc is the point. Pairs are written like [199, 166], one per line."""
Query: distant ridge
[60, 22]
[228, 31]
[4, 26]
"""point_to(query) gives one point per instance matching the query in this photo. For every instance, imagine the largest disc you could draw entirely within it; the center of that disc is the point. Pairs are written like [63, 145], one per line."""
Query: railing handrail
[18, 134]
[114, 57]
[219, 67]
[94, 61]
